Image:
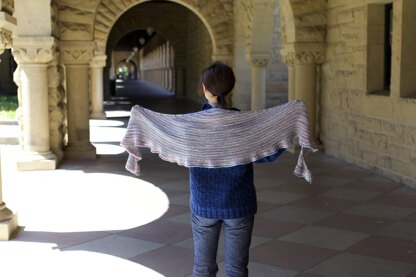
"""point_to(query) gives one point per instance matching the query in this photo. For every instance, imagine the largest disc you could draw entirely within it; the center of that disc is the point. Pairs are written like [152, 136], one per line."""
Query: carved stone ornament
[304, 57]
[7, 6]
[76, 52]
[75, 56]
[309, 57]
[258, 60]
[288, 58]
[98, 61]
[33, 54]
[5, 39]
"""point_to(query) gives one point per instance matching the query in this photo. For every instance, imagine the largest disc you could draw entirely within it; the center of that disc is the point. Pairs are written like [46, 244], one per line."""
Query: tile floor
[93, 218]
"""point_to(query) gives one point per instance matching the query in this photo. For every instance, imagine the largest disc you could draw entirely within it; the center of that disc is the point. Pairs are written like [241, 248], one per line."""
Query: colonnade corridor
[93, 218]
[148, 95]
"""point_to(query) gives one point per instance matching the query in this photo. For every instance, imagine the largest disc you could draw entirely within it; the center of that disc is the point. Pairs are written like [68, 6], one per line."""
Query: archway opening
[127, 70]
[170, 46]
[8, 88]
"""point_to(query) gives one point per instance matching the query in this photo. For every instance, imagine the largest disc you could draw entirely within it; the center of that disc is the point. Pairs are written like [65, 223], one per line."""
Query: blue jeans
[237, 239]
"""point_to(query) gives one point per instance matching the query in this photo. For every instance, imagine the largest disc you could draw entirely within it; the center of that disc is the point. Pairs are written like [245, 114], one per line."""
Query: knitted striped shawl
[218, 137]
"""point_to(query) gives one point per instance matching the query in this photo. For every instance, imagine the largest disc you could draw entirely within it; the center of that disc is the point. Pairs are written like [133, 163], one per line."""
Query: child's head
[218, 79]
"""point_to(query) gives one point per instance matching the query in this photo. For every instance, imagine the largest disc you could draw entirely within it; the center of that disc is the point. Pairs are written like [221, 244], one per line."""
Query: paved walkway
[93, 218]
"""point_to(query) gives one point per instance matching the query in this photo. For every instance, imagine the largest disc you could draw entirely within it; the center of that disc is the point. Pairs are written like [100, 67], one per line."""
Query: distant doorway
[127, 70]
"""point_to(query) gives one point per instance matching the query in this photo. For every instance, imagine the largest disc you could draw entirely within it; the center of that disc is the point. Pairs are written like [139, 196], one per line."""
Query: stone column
[304, 60]
[180, 80]
[305, 89]
[8, 220]
[33, 56]
[76, 56]
[258, 81]
[171, 70]
[290, 61]
[162, 66]
[97, 91]
[166, 66]
[306, 63]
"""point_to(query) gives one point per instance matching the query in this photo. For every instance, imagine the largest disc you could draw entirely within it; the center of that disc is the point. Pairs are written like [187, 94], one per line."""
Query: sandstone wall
[374, 131]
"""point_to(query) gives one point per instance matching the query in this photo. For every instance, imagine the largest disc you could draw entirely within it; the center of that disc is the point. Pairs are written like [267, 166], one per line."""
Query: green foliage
[8, 106]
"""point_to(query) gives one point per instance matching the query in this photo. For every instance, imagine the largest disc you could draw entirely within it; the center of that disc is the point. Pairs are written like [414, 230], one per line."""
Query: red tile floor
[94, 218]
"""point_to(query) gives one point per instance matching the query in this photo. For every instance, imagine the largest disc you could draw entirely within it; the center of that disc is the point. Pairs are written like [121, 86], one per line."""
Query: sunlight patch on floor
[40, 259]
[106, 134]
[108, 149]
[120, 113]
[105, 123]
[75, 201]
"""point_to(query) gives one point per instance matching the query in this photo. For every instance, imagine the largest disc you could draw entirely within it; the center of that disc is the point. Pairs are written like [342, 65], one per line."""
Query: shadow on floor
[95, 218]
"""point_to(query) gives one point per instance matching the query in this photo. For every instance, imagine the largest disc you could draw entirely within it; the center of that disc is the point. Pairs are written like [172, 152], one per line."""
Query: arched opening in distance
[127, 70]
[170, 46]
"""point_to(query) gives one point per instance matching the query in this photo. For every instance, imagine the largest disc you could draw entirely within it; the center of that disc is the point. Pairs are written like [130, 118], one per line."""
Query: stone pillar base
[36, 161]
[98, 115]
[80, 152]
[8, 228]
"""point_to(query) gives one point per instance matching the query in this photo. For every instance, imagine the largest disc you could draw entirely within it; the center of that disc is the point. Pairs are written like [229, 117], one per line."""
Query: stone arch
[131, 22]
[7, 6]
[143, 16]
[303, 49]
[176, 43]
[216, 16]
[259, 21]
[287, 22]
[303, 21]
[130, 63]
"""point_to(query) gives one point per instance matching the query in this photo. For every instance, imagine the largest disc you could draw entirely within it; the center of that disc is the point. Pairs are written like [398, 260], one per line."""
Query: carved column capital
[308, 57]
[303, 54]
[76, 52]
[258, 60]
[98, 61]
[5, 40]
[7, 5]
[34, 50]
[288, 58]
[7, 25]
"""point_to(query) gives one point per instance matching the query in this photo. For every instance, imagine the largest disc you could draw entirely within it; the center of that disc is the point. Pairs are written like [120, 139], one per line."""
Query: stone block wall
[374, 131]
